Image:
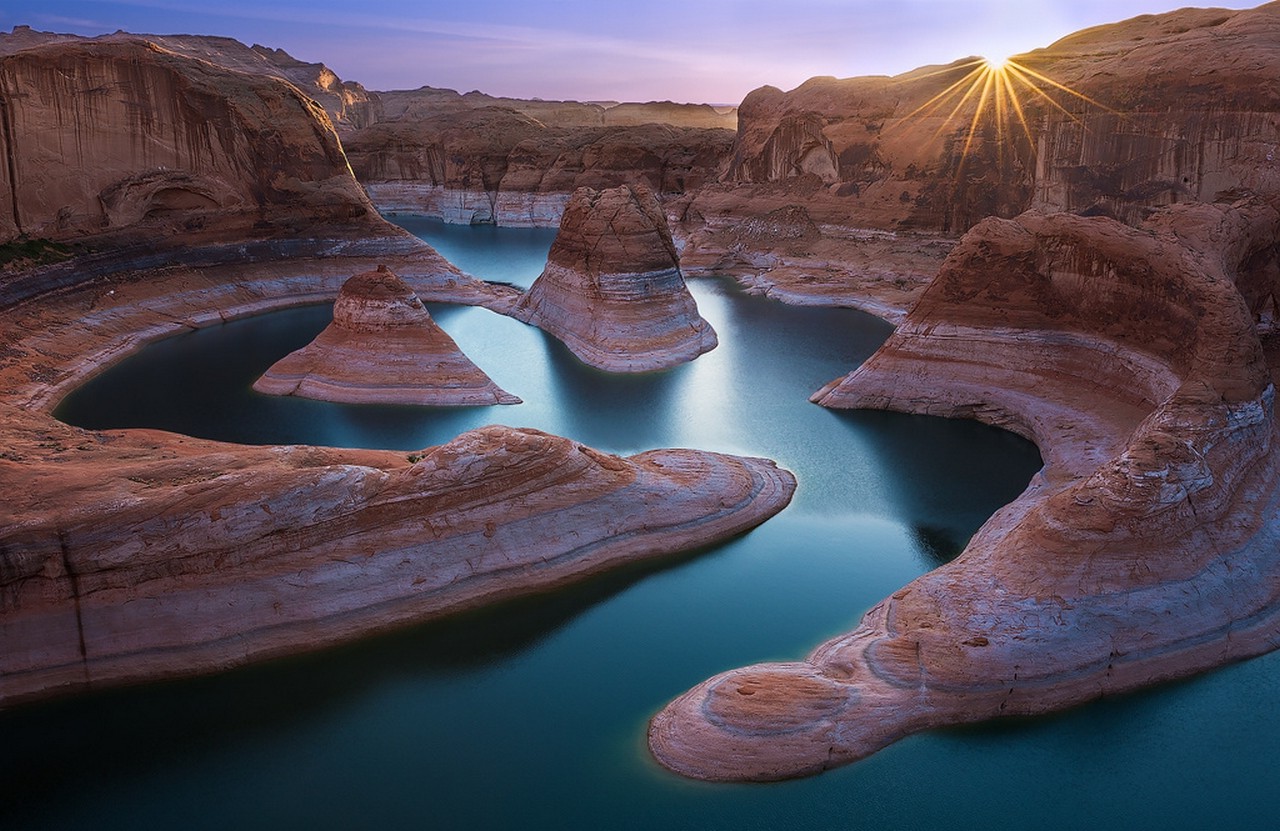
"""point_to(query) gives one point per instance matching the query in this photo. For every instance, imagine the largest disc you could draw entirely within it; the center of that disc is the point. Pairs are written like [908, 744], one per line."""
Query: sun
[996, 88]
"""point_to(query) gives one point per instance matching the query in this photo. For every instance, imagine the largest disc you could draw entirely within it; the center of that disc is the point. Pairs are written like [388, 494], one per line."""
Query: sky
[713, 51]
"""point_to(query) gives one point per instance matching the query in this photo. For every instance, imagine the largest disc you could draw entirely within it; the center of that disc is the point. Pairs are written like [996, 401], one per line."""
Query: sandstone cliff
[1145, 550]
[101, 137]
[499, 165]
[1117, 121]
[349, 105]
[612, 289]
[382, 347]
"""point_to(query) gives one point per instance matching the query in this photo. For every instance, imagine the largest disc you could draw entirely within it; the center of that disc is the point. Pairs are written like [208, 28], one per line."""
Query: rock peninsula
[1145, 550]
[612, 290]
[382, 347]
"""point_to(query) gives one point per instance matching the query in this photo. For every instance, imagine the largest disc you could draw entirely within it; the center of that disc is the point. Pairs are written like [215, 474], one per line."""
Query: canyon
[1097, 272]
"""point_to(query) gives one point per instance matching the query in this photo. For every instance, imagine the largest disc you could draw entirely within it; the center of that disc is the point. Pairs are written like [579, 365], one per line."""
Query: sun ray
[946, 70]
[1017, 107]
[1046, 96]
[987, 81]
[939, 99]
[995, 90]
[1017, 67]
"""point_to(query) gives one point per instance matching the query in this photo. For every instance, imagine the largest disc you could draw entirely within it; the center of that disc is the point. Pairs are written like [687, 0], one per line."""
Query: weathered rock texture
[612, 289]
[124, 134]
[135, 555]
[1143, 127]
[1147, 549]
[382, 347]
[153, 555]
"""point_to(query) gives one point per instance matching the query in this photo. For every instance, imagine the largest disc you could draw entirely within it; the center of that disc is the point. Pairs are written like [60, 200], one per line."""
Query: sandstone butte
[382, 347]
[1131, 337]
[612, 289]
[172, 194]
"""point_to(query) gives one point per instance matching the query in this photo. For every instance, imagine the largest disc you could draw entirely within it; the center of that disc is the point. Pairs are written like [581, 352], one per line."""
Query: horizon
[571, 51]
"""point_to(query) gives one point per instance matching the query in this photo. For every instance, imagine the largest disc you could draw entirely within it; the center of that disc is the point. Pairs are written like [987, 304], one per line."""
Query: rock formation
[612, 289]
[382, 347]
[152, 556]
[133, 555]
[125, 135]
[1117, 123]
[1147, 548]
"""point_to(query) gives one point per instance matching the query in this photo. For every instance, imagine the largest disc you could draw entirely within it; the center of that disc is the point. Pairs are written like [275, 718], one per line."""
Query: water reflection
[622, 413]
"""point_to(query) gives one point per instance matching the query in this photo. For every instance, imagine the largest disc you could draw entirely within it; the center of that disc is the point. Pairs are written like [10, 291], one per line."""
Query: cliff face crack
[10, 152]
[73, 579]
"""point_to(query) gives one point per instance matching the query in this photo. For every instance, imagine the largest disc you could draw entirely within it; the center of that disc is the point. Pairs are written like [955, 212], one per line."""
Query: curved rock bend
[382, 347]
[1147, 549]
[136, 555]
[612, 289]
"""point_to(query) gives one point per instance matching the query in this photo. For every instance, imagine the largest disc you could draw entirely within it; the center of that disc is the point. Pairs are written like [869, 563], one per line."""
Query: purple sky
[691, 50]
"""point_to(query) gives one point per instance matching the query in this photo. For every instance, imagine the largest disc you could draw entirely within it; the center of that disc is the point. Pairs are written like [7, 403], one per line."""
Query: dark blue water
[532, 715]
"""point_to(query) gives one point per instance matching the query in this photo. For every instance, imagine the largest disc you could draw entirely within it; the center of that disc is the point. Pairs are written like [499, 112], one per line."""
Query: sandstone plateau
[1147, 548]
[612, 289]
[382, 347]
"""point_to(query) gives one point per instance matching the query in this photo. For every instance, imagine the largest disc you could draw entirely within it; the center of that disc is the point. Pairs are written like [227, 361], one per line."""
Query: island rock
[612, 290]
[382, 347]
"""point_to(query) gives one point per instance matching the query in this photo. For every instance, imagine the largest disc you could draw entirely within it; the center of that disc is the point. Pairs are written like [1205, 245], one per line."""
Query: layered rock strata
[148, 555]
[1147, 549]
[612, 289]
[382, 347]
[134, 555]
[1111, 120]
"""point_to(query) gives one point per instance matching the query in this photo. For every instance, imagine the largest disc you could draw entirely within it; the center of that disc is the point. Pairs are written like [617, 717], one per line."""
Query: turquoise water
[533, 714]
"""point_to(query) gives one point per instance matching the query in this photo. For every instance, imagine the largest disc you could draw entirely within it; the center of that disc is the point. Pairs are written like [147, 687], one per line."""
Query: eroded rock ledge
[612, 290]
[382, 347]
[1147, 549]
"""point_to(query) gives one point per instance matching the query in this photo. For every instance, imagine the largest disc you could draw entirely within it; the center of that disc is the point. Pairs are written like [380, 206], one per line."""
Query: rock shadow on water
[621, 412]
[928, 455]
[53, 748]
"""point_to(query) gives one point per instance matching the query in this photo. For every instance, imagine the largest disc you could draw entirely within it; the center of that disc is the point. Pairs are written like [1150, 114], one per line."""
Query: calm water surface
[532, 715]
